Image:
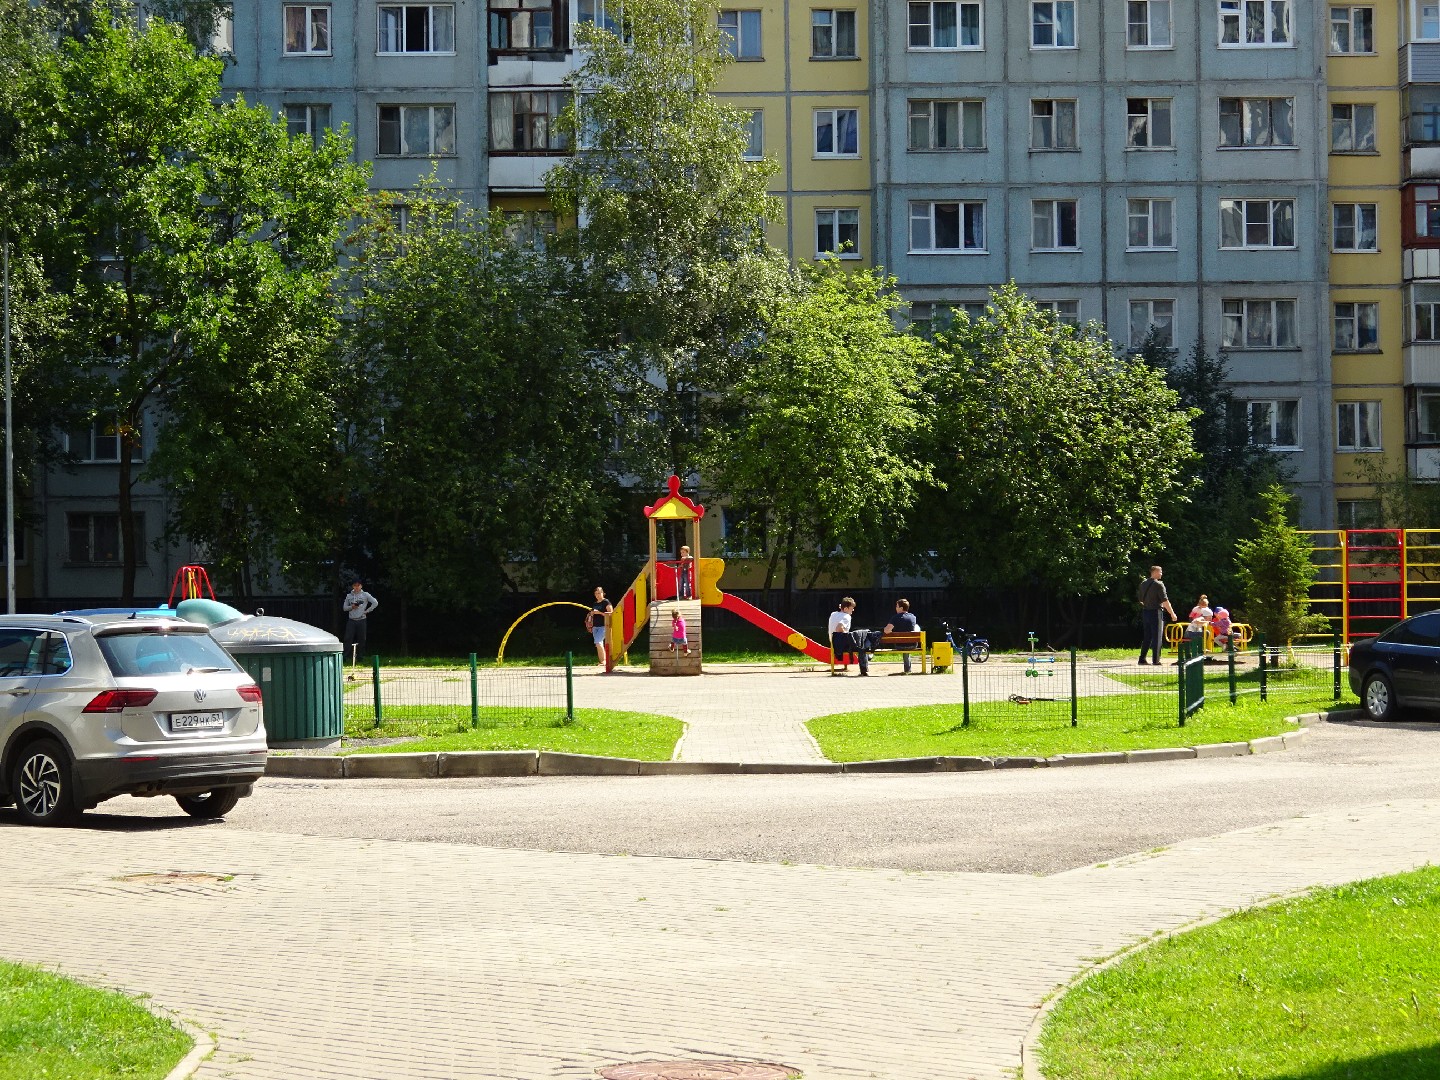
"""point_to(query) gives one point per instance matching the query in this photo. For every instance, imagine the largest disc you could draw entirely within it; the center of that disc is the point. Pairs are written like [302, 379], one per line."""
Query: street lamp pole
[9, 447]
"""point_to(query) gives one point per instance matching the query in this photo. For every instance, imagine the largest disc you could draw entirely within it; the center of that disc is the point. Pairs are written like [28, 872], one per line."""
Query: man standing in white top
[842, 641]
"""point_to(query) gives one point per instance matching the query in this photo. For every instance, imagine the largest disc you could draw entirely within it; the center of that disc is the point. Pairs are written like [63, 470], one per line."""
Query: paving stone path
[314, 956]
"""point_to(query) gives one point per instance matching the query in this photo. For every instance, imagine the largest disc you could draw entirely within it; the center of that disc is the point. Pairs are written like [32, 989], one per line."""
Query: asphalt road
[1023, 821]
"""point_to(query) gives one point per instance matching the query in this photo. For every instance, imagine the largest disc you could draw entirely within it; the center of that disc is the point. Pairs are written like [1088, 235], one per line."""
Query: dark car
[1400, 668]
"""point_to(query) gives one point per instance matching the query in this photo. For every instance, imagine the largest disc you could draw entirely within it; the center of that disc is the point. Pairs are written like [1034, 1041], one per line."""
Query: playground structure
[655, 594]
[1370, 578]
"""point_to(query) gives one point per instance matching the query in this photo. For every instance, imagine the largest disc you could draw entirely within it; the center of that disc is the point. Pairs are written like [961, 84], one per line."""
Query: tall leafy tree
[1059, 459]
[197, 244]
[665, 219]
[824, 437]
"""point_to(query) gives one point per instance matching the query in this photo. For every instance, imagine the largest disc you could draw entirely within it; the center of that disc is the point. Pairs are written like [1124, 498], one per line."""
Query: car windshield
[156, 653]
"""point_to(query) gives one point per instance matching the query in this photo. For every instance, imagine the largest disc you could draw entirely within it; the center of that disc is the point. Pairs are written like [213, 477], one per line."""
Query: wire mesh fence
[397, 702]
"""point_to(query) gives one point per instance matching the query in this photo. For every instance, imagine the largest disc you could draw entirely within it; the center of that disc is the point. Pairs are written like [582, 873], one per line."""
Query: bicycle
[976, 647]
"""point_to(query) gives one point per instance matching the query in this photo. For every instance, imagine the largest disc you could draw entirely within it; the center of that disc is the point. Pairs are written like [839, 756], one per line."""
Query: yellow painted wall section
[1382, 267]
[803, 215]
[812, 73]
[767, 73]
[1392, 435]
[813, 173]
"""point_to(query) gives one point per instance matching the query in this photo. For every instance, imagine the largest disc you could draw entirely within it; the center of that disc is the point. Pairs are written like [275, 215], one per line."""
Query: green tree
[825, 427]
[1276, 570]
[197, 245]
[663, 221]
[486, 425]
[1058, 458]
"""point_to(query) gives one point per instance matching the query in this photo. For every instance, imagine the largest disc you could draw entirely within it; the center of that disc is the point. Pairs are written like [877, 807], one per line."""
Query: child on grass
[677, 633]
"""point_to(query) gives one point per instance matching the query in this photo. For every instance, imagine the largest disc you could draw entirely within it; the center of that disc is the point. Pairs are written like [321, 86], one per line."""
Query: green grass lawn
[1042, 729]
[1341, 985]
[53, 1028]
[645, 736]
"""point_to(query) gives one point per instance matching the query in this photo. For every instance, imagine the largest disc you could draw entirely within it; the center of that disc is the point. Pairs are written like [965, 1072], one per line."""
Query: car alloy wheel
[41, 784]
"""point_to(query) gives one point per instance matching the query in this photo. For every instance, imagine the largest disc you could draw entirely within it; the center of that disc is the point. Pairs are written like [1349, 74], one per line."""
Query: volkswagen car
[1399, 669]
[99, 705]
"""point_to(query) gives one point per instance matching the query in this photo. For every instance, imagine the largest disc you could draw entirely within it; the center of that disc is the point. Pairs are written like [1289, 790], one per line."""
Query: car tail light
[250, 692]
[119, 700]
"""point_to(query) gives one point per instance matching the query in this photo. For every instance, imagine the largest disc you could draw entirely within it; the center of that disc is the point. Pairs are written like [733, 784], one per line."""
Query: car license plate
[196, 721]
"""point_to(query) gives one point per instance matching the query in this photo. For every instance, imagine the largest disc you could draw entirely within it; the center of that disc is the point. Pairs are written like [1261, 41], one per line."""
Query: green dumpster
[299, 669]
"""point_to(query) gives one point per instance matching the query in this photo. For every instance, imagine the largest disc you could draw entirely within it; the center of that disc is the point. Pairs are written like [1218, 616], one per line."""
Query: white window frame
[834, 118]
[608, 15]
[1066, 312]
[925, 108]
[1347, 313]
[1272, 218]
[1152, 315]
[1243, 113]
[1051, 210]
[502, 108]
[1149, 25]
[222, 40]
[736, 39]
[1432, 317]
[101, 432]
[1364, 423]
[966, 211]
[307, 13]
[834, 28]
[90, 517]
[836, 224]
[1154, 107]
[432, 10]
[1053, 27]
[1359, 215]
[1273, 409]
[405, 151]
[1422, 11]
[1240, 311]
[1236, 11]
[312, 127]
[1357, 513]
[1157, 215]
[1353, 125]
[931, 24]
[1350, 18]
[1055, 123]
[755, 131]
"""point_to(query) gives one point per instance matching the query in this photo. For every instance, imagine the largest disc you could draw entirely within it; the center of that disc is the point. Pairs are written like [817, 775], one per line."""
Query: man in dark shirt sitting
[903, 623]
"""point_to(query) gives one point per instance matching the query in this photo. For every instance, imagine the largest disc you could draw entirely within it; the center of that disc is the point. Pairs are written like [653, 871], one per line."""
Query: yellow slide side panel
[707, 577]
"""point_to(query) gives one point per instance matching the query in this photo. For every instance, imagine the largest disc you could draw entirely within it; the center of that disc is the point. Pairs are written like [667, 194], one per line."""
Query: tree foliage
[1059, 459]
[1276, 569]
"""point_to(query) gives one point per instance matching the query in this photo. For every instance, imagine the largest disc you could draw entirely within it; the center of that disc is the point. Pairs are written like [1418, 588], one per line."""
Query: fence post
[569, 687]
[474, 694]
[1074, 692]
[1264, 689]
[1337, 667]
[1230, 657]
[1180, 670]
[965, 684]
[375, 681]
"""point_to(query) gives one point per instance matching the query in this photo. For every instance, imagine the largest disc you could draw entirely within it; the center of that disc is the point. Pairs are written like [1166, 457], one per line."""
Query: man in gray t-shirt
[1154, 600]
[357, 606]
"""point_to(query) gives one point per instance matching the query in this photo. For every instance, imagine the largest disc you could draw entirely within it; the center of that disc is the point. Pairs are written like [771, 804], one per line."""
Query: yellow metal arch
[500, 658]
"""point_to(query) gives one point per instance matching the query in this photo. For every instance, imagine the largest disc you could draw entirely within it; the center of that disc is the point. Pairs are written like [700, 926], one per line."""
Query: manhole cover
[699, 1070]
[177, 877]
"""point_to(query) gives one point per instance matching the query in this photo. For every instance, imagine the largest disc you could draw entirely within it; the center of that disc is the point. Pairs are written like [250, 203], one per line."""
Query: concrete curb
[200, 1053]
[481, 763]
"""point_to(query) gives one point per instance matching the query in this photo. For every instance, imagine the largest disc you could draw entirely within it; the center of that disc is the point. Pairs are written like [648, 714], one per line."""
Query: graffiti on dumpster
[264, 633]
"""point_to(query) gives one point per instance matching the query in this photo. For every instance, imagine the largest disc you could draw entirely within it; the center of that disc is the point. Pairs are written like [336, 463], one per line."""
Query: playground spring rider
[1031, 671]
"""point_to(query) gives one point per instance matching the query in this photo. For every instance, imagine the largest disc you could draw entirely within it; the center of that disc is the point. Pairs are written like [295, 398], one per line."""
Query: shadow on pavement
[102, 822]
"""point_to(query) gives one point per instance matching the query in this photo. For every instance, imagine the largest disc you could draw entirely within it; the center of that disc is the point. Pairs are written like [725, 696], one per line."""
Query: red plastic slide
[775, 628]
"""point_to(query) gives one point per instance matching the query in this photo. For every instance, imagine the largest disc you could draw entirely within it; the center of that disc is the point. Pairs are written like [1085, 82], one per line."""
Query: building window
[947, 125]
[1148, 124]
[1357, 327]
[1274, 423]
[1052, 225]
[837, 232]
[1357, 513]
[837, 133]
[1052, 24]
[742, 532]
[832, 34]
[598, 13]
[1052, 125]
[307, 121]
[222, 39]
[1424, 20]
[1427, 212]
[525, 121]
[755, 135]
[1257, 223]
[1352, 30]
[1357, 425]
[1065, 311]
[944, 24]
[740, 34]
[1148, 24]
[1249, 24]
[1352, 129]
[1151, 224]
[1427, 320]
[95, 538]
[417, 28]
[99, 443]
[526, 25]
[947, 226]
[1257, 121]
[307, 29]
[1155, 317]
[416, 131]
[1257, 324]
[529, 228]
[1354, 227]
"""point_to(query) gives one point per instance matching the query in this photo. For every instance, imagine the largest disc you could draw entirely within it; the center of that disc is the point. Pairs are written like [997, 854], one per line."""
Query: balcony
[1420, 62]
[1420, 264]
[1422, 162]
[1423, 462]
[1422, 363]
[525, 172]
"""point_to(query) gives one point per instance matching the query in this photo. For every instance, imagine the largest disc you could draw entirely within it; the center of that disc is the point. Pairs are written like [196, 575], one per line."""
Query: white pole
[9, 450]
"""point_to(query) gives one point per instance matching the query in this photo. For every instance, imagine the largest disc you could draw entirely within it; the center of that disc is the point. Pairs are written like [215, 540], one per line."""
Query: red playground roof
[674, 506]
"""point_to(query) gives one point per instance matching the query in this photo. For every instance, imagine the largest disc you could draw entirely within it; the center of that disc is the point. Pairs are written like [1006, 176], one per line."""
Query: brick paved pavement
[329, 957]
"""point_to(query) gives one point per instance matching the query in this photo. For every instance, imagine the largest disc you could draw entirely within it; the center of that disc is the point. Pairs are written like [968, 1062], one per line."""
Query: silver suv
[94, 706]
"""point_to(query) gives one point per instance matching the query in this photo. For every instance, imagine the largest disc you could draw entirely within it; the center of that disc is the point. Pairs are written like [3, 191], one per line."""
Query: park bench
[899, 643]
